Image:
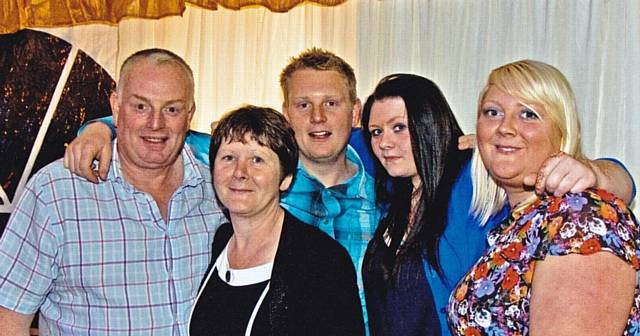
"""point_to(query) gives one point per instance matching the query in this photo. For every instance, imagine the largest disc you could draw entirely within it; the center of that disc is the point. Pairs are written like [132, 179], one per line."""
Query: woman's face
[246, 177]
[390, 138]
[513, 139]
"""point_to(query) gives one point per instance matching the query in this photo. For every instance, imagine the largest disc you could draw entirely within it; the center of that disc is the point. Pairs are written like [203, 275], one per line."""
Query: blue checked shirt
[347, 212]
[99, 258]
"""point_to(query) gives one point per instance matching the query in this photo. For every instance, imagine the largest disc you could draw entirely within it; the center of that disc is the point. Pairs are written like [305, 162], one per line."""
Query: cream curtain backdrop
[237, 55]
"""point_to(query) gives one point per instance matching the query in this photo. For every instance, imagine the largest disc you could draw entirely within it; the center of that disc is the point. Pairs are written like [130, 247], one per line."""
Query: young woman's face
[390, 138]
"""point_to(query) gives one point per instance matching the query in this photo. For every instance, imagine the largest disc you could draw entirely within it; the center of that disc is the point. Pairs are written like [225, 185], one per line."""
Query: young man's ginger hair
[319, 59]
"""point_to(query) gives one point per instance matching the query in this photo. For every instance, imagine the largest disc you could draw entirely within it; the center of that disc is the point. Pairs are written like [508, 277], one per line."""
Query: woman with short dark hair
[270, 273]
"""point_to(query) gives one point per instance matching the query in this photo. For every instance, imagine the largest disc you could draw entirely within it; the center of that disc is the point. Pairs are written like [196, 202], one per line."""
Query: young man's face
[321, 113]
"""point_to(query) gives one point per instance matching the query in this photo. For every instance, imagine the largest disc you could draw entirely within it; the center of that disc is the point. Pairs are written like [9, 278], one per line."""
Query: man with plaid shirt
[124, 257]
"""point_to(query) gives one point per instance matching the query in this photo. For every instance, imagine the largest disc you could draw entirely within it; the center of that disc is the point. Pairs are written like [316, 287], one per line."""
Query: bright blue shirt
[462, 243]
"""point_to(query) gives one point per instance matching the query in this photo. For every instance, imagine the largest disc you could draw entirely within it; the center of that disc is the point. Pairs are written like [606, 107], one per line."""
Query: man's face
[152, 115]
[321, 113]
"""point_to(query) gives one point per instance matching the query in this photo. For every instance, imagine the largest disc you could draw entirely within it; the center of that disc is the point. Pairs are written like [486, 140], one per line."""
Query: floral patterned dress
[493, 298]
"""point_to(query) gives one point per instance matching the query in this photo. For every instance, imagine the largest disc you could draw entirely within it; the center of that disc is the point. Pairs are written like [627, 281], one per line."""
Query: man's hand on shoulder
[467, 142]
[561, 173]
[93, 144]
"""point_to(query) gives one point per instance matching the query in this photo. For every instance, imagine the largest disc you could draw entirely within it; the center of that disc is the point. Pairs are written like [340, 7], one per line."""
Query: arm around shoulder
[611, 175]
[94, 143]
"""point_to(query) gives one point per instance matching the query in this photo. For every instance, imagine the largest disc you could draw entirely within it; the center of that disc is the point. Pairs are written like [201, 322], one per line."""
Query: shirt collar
[192, 174]
[355, 186]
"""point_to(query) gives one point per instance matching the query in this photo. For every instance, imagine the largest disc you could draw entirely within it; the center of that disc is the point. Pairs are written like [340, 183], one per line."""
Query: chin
[506, 169]
[394, 173]
[503, 180]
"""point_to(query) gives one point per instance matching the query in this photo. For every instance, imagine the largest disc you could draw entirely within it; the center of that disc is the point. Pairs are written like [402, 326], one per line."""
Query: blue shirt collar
[355, 186]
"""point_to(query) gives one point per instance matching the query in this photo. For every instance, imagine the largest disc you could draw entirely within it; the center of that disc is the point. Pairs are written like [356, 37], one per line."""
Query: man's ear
[285, 110]
[357, 114]
[115, 107]
[286, 183]
[192, 111]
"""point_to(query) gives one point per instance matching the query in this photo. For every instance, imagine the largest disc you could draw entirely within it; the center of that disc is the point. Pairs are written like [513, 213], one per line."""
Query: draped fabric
[19, 14]
[237, 55]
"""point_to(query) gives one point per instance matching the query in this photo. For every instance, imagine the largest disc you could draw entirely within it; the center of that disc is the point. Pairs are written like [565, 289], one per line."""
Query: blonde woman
[558, 265]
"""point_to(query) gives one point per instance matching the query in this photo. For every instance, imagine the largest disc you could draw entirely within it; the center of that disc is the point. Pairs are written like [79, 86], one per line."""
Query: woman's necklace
[413, 209]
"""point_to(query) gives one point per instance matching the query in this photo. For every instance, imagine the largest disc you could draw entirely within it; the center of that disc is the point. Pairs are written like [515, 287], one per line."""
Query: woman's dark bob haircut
[264, 125]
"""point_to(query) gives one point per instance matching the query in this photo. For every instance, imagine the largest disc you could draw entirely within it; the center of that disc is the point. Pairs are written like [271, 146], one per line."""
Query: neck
[518, 196]
[255, 239]
[160, 183]
[415, 203]
[330, 173]
[150, 180]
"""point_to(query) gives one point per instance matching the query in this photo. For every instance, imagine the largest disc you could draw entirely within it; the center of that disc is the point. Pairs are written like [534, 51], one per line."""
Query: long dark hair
[434, 135]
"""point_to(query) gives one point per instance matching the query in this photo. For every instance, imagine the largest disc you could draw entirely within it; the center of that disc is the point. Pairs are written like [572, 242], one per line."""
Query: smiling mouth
[320, 134]
[392, 158]
[239, 190]
[507, 149]
[154, 140]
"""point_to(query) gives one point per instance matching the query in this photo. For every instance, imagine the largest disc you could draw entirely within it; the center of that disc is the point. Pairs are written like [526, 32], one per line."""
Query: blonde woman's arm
[581, 295]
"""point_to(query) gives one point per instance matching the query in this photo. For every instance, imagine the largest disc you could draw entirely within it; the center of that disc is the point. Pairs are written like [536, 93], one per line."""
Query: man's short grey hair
[159, 57]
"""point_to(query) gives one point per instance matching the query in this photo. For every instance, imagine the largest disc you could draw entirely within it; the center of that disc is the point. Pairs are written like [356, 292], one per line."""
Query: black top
[312, 290]
[214, 302]
[402, 304]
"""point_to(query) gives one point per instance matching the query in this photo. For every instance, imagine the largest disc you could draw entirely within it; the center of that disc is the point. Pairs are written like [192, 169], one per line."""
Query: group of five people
[164, 246]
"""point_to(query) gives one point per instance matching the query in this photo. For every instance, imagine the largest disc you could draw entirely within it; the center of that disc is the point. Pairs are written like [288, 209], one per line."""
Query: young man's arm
[94, 143]
[561, 174]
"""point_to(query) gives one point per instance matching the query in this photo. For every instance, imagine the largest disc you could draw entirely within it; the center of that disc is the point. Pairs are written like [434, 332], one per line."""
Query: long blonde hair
[530, 82]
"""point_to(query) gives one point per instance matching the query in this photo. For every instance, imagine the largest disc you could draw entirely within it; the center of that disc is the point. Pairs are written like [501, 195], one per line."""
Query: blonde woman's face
[514, 139]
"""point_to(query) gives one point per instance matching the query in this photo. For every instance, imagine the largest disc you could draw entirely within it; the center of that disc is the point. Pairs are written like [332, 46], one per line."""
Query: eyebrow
[144, 99]
[397, 118]
[326, 96]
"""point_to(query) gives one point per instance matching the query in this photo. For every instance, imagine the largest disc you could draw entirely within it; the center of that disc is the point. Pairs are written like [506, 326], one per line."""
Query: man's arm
[14, 324]
[561, 174]
[94, 143]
